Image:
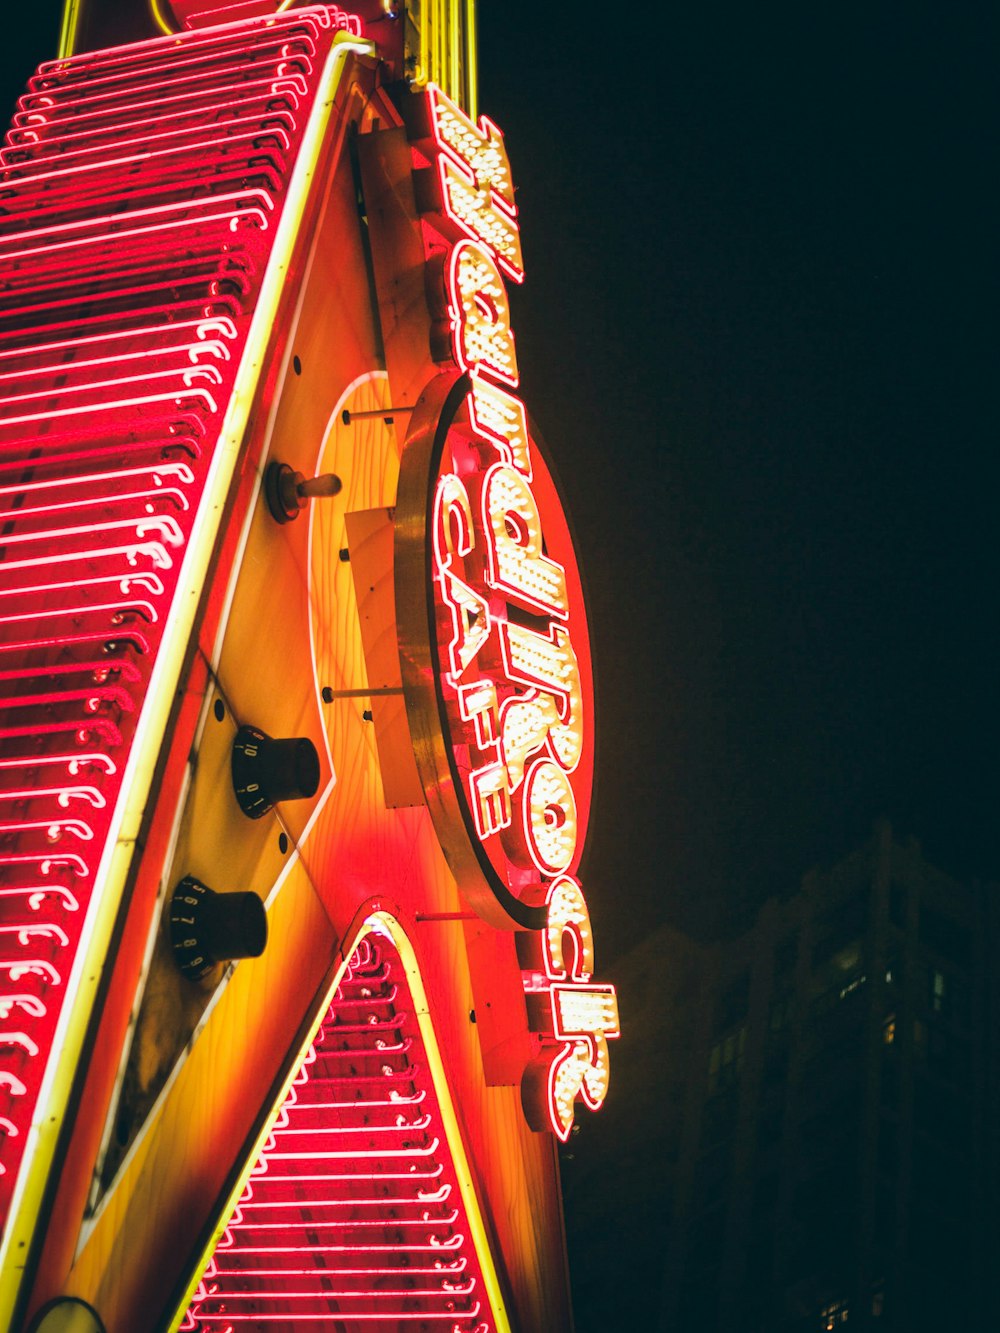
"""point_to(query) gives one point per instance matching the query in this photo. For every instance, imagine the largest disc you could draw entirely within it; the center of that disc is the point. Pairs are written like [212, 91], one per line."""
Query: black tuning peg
[207, 928]
[288, 492]
[266, 771]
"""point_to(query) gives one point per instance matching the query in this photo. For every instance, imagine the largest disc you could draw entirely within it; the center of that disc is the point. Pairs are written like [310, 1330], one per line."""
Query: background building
[815, 1116]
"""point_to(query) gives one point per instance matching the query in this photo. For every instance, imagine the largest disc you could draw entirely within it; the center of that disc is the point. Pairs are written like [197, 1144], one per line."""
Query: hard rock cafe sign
[492, 621]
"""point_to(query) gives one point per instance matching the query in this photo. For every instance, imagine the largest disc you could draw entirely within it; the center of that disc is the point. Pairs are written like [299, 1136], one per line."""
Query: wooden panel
[398, 257]
[370, 536]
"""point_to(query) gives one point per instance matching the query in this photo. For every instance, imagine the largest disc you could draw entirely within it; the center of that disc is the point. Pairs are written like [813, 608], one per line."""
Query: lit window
[889, 1029]
[892, 968]
[937, 990]
[833, 1315]
[853, 985]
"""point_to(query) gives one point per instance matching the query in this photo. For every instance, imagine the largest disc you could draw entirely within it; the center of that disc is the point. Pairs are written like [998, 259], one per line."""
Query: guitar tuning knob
[207, 928]
[266, 771]
[288, 492]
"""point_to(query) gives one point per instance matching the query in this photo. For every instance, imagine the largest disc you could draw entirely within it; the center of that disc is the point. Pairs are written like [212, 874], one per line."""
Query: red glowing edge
[356, 1210]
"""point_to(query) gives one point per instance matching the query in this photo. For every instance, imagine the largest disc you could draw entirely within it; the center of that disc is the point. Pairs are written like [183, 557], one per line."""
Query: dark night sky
[756, 330]
[757, 327]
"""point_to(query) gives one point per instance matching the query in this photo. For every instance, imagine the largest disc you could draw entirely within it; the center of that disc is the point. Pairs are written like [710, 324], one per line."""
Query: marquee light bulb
[549, 817]
[480, 314]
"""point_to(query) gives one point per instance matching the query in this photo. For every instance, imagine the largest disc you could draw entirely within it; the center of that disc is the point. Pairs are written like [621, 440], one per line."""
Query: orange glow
[359, 1186]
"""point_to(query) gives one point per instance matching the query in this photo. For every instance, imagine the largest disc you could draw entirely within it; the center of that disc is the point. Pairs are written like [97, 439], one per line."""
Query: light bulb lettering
[452, 520]
[476, 184]
[470, 618]
[513, 693]
[584, 1016]
[480, 314]
[568, 915]
[473, 207]
[491, 804]
[549, 663]
[548, 817]
[525, 726]
[500, 417]
[478, 705]
[453, 536]
[513, 527]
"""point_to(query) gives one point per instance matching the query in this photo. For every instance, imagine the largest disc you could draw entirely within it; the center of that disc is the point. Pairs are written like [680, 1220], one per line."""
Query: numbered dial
[266, 771]
[207, 928]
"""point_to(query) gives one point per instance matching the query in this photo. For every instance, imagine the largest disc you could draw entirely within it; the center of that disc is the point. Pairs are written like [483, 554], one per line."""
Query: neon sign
[496, 664]
[115, 388]
[360, 1201]
[572, 1017]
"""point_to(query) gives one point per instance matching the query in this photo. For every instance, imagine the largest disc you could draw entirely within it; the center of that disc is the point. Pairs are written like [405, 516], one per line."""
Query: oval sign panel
[494, 648]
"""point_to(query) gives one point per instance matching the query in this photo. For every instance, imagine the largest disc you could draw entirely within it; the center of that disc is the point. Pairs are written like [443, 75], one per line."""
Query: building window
[833, 1315]
[893, 968]
[947, 996]
[842, 976]
[888, 1029]
[853, 984]
[725, 1061]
